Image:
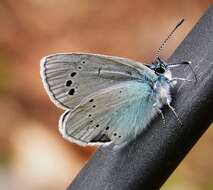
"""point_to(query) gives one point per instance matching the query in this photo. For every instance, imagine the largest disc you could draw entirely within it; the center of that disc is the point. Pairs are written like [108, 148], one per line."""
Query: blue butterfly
[107, 99]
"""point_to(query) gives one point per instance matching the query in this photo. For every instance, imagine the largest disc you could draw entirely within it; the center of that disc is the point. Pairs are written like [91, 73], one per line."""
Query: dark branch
[147, 162]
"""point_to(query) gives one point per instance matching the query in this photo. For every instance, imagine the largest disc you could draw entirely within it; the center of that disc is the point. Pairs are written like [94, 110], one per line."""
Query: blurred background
[33, 155]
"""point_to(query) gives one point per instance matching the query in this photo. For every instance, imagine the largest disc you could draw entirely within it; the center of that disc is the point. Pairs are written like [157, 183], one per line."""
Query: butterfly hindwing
[114, 114]
[68, 78]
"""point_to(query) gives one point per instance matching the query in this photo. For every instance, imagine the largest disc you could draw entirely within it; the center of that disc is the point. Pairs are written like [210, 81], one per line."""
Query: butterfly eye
[160, 70]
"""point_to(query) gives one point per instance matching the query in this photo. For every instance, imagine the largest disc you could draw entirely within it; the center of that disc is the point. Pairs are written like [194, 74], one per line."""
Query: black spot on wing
[68, 83]
[73, 74]
[71, 91]
[101, 138]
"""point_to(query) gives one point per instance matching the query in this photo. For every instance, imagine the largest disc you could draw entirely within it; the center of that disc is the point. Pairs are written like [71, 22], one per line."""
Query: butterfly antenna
[165, 41]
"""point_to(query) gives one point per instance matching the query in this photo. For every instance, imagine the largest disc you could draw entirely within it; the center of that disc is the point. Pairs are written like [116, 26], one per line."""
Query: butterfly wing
[68, 78]
[115, 114]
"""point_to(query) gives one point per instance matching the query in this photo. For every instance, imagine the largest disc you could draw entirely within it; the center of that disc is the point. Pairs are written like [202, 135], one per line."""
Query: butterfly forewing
[68, 78]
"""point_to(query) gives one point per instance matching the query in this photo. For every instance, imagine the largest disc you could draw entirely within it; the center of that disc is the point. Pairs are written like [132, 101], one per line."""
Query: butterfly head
[160, 67]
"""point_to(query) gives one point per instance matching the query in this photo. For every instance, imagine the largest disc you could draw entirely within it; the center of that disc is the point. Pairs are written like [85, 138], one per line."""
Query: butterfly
[106, 99]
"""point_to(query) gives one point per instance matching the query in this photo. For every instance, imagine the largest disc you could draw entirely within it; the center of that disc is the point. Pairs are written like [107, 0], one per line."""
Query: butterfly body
[107, 99]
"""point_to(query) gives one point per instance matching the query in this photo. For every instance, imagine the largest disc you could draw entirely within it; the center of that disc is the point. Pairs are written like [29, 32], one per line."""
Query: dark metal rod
[148, 161]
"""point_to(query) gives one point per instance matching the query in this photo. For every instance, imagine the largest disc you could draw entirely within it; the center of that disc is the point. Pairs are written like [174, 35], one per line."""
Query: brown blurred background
[33, 155]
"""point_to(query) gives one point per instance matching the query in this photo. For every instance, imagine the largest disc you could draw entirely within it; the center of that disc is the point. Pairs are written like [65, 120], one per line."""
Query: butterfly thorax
[161, 94]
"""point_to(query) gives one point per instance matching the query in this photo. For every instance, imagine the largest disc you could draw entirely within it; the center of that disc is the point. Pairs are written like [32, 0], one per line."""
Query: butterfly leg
[184, 63]
[174, 112]
[161, 113]
[173, 81]
[162, 116]
[182, 79]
